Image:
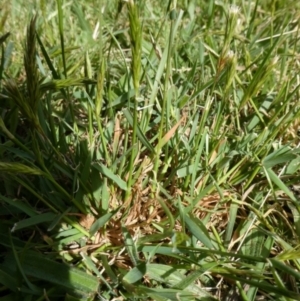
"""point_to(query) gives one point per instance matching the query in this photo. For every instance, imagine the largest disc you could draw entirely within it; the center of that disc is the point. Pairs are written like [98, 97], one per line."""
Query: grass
[149, 150]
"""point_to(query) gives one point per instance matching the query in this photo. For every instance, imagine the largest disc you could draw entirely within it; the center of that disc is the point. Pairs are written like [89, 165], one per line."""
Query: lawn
[149, 150]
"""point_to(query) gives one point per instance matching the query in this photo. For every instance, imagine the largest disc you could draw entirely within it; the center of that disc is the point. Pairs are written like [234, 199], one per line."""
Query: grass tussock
[149, 151]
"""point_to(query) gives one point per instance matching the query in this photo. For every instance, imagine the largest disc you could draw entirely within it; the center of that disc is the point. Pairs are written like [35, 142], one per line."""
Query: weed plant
[149, 150]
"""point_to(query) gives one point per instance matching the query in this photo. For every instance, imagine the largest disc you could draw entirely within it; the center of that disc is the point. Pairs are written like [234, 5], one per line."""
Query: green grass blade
[109, 174]
[34, 220]
[74, 279]
[199, 231]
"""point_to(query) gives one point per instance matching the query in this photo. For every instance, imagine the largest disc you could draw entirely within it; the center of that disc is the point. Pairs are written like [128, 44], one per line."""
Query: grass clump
[149, 151]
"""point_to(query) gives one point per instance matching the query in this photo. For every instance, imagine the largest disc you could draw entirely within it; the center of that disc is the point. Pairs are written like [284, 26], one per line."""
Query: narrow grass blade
[47, 58]
[92, 267]
[24, 207]
[278, 182]
[34, 220]
[232, 220]
[131, 247]
[100, 222]
[139, 133]
[165, 139]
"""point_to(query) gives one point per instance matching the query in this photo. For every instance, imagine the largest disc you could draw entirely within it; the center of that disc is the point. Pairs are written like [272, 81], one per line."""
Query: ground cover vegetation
[149, 150]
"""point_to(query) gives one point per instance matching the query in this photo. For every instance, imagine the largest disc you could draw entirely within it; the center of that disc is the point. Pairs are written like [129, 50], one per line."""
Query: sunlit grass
[149, 151]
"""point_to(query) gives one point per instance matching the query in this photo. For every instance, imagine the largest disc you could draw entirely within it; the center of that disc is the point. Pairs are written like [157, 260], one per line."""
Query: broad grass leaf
[8, 281]
[40, 267]
[135, 274]
[293, 166]
[100, 222]
[108, 173]
[199, 231]
[187, 170]
[177, 279]
[253, 243]
[232, 220]
[277, 181]
[283, 155]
